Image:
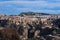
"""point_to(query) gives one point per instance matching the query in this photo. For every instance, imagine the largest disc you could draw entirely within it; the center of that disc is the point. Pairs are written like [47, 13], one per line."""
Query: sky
[15, 7]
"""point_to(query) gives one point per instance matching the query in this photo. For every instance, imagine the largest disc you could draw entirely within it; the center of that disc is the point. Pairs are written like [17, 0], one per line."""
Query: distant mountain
[32, 13]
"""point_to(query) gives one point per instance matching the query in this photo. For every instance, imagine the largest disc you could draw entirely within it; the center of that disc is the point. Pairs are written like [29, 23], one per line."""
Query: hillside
[30, 28]
[32, 13]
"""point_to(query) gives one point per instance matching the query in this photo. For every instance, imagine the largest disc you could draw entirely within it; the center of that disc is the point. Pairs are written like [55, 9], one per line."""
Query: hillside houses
[30, 27]
[18, 19]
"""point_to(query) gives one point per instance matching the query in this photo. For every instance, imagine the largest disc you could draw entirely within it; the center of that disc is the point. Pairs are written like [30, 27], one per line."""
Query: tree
[9, 34]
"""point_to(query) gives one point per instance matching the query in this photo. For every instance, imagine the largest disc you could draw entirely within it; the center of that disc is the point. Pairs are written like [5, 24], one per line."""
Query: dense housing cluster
[36, 27]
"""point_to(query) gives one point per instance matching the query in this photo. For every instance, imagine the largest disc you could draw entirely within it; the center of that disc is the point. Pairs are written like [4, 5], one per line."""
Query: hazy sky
[18, 6]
